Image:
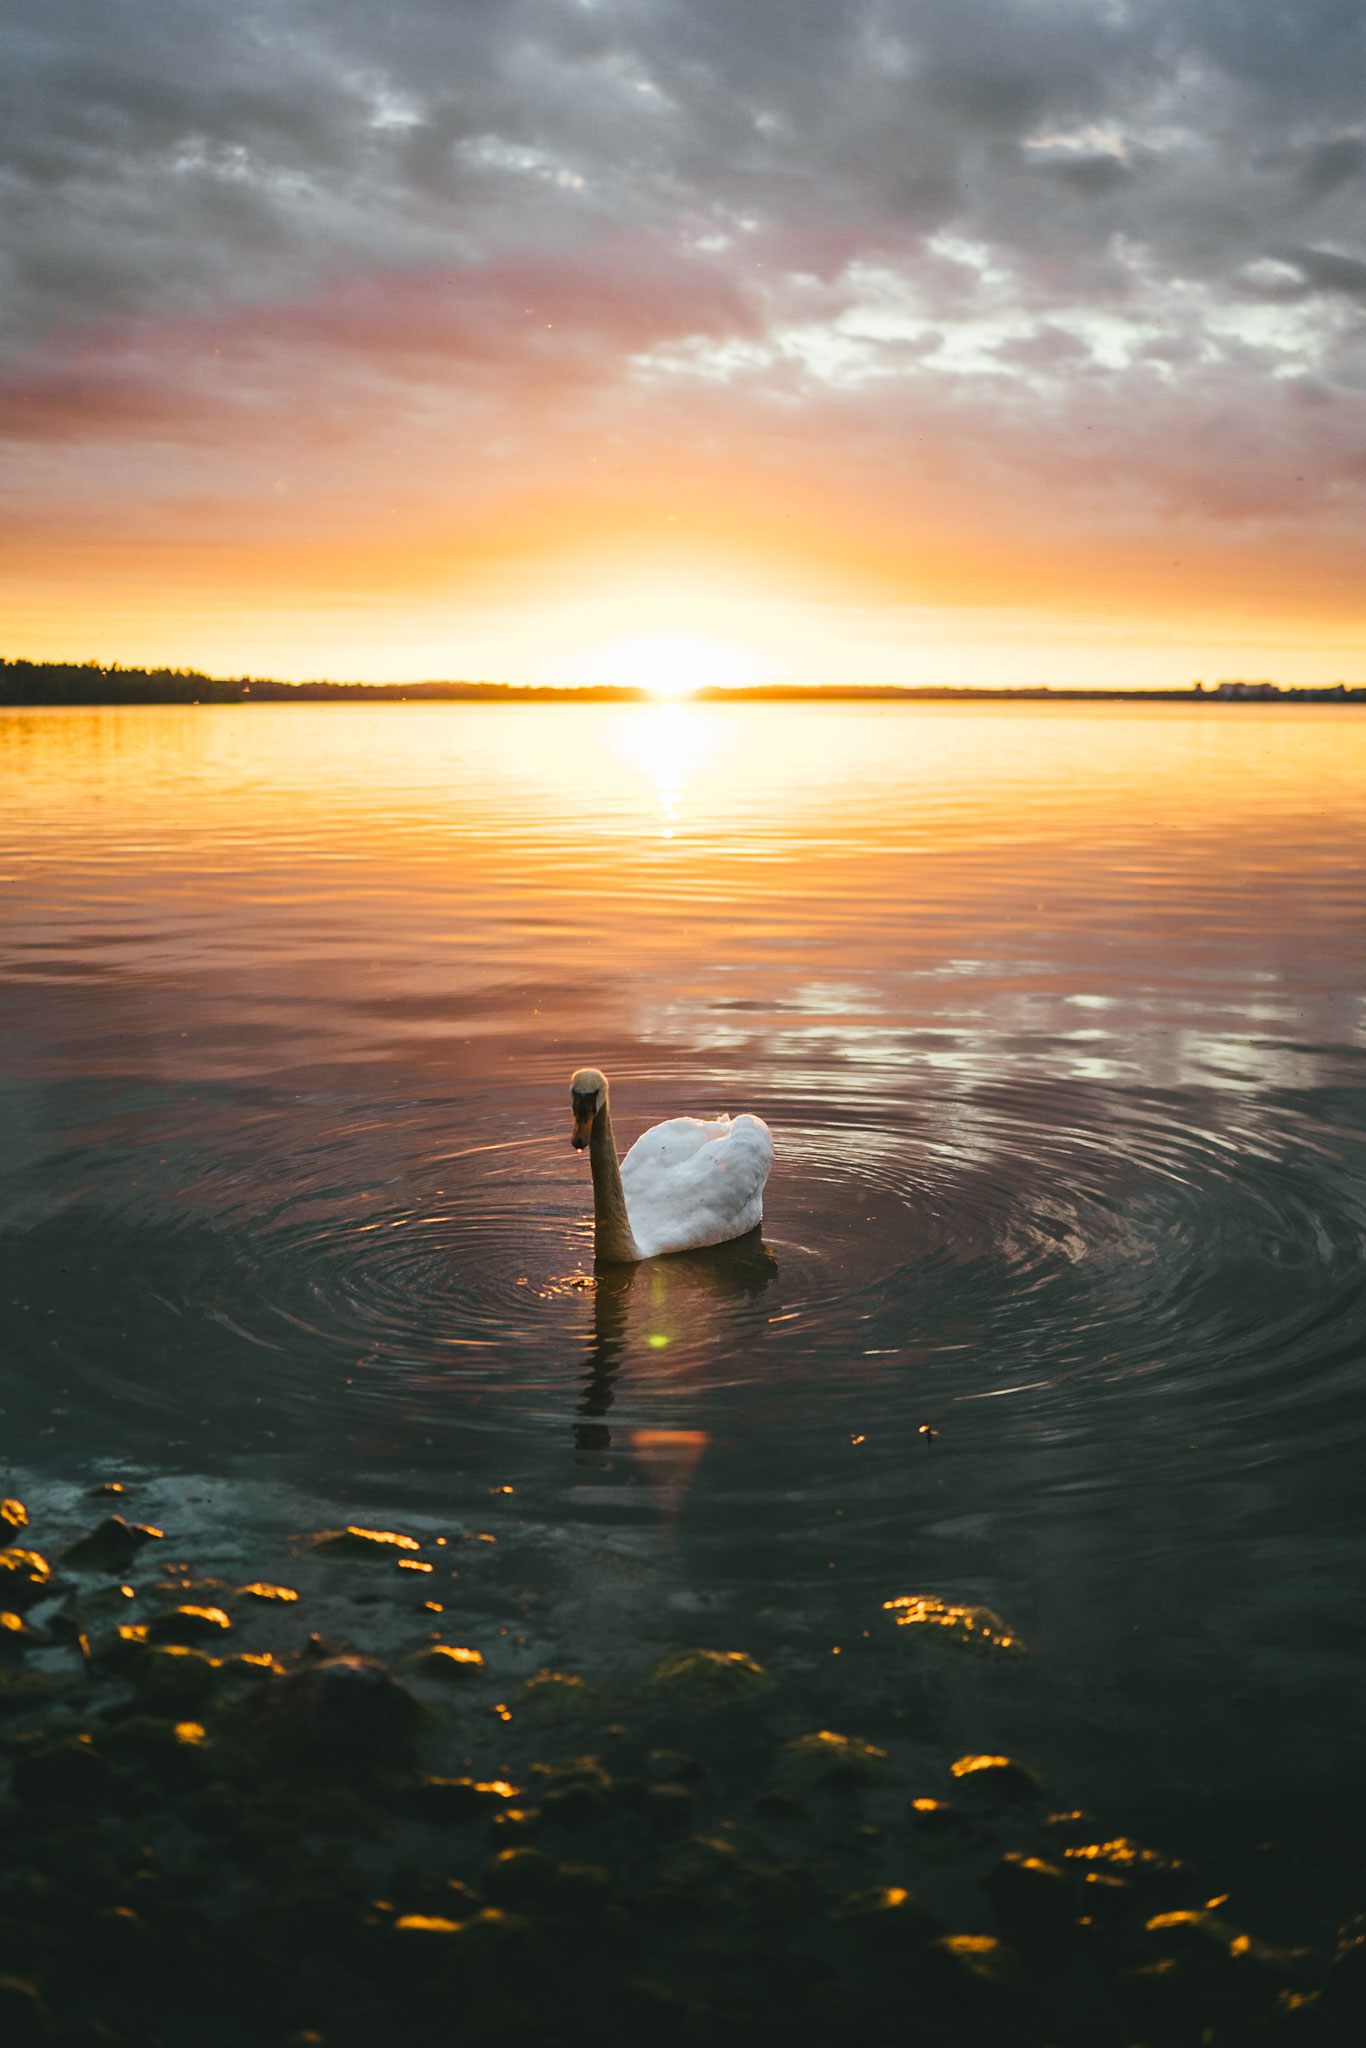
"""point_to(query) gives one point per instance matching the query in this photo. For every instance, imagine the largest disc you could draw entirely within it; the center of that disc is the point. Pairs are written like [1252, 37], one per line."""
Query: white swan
[682, 1185]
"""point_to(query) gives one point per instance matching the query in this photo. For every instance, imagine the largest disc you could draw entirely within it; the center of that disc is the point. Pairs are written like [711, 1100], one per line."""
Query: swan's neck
[611, 1224]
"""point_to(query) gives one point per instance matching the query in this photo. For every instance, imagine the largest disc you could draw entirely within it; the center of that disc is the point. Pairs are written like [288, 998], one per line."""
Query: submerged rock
[574, 1796]
[172, 1675]
[997, 1778]
[886, 1916]
[25, 2021]
[520, 1877]
[675, 1767]
[353, 1542]
[1121, 1857]
[829, 1759]
[1031, 1899]
[447, 1802]
[668, 1807]
[111, 1547]
[261, 1589]
[343, 1708]
[25, 1578]
[1344, 1994]
[558, 1695]
[964, 1628]
[708, 1678]
[189, 1625]
[1105, 1898]
[66, 1774]
[16, 1636]
[452, 1662]
[773, 1804]
[937, 1817]
[13, 1518]
[973, 1965]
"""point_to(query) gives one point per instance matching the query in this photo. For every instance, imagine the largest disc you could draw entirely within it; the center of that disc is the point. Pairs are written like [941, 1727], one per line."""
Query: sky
[831, 341]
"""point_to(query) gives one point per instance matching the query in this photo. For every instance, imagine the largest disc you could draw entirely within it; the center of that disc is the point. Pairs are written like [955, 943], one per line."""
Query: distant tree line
[92, 682]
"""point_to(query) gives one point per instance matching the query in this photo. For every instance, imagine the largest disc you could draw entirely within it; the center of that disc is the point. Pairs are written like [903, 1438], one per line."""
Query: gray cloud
[168, 154]
[1007, 214]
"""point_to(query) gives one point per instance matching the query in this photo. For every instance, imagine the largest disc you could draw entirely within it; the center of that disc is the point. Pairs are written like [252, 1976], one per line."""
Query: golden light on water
[667, 745]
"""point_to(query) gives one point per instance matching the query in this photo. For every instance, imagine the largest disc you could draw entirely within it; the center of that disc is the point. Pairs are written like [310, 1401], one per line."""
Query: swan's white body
[684, 1184]
[688, 1183]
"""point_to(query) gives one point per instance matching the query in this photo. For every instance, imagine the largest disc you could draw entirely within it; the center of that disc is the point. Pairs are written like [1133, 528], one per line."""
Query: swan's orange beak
[583, 1123]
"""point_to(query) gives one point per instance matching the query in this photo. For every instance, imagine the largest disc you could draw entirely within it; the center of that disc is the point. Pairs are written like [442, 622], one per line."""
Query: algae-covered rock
[825, 1758]
[174, 1676]
[511, 1826]
[1105, 1898]
[154, 1739]
[449, 1802]
[1122, 1857]
[25, 1578]
[22, 1690]
[1031, 1899]
[189, 1625]
[675, 1767]
[381, 1544]
[773, 1804]
[1344, 1993]
[937, 1818]
[453, 1663]
[580, 1888]
[111, 1547]
[25, 2021]
[16, 1636]
[64, 1774]
[263, 1590]
[707, 1678]
[885, 1917]
[1198, 1931]
[558, 1696]
[1073, 1826]
[940, 1622]
[13, 1518]
[972, 1967]
[520, 1877]
[1206, 1969]
[574, 1796]
[694, 1877]
[669, 1808]
[999, 1779]
[426, 1924]
[344, 1707]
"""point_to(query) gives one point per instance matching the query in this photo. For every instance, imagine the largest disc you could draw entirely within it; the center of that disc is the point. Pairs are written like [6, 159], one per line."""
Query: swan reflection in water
[649, 1307]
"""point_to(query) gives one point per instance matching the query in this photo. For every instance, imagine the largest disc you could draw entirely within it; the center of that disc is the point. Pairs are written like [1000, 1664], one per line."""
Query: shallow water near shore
[1057, 1017]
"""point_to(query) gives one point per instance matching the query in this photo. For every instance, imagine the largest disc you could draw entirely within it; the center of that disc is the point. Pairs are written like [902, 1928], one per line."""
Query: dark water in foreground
[1057, 1016]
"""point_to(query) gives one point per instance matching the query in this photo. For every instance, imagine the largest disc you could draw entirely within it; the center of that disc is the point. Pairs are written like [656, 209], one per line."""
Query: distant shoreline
[39, 683]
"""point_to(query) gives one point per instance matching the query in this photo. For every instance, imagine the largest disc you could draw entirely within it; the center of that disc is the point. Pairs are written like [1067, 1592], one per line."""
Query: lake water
[1057, 1016]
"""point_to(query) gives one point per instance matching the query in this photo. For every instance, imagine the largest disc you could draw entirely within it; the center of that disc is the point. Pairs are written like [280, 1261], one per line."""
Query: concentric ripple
[1020, 1244]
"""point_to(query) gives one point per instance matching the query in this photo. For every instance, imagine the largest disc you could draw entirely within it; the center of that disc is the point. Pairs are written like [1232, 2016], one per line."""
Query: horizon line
[92, 682]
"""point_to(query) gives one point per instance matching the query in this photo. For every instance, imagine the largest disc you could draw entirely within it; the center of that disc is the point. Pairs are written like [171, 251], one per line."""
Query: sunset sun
[668, 665]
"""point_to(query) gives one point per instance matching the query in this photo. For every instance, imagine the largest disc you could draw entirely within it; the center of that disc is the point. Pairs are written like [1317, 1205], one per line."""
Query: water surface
[1057, 1017]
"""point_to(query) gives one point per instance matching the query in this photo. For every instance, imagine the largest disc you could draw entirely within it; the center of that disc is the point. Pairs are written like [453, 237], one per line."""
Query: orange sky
[368, 384]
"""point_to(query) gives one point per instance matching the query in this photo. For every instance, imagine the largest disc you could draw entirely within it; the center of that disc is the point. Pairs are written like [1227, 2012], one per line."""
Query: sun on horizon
[667, 665]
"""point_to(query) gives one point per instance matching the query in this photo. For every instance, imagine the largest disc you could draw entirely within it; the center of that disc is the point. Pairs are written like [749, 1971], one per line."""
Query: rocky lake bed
[222, 1825]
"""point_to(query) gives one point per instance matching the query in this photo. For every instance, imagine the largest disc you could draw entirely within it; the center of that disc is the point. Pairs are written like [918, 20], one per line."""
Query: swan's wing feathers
[689, 1183]
[668, 1145]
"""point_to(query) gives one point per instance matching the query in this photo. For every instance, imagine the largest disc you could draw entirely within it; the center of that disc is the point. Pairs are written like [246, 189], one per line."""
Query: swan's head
[588, 1093]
